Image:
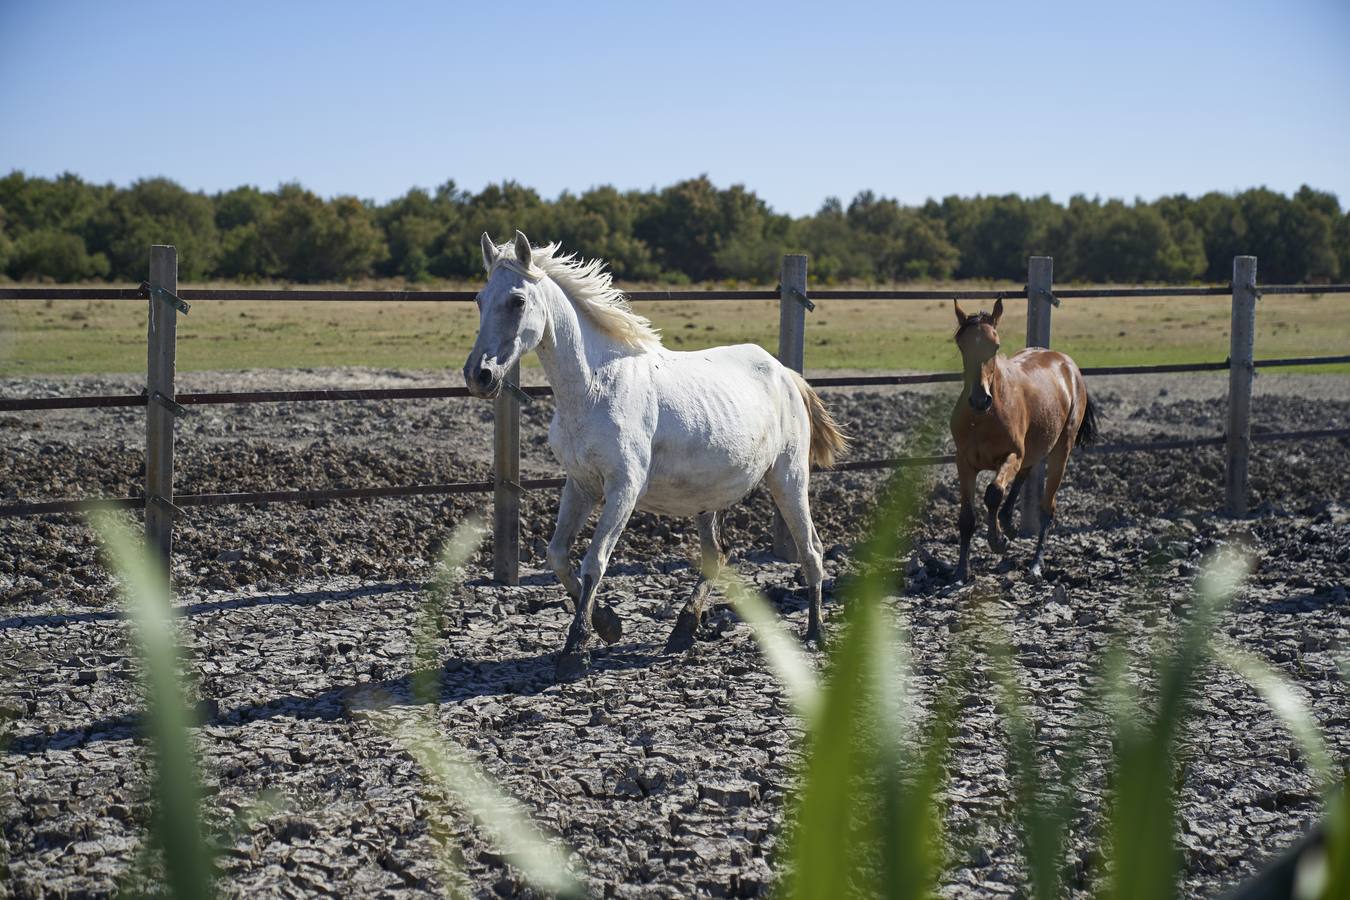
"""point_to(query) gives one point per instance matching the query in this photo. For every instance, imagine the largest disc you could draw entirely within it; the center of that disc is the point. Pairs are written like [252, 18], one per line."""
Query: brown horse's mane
[975, 319]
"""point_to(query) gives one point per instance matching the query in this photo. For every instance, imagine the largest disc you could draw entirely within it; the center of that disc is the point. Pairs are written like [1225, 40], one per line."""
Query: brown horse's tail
[827, 438]
[1087, 429]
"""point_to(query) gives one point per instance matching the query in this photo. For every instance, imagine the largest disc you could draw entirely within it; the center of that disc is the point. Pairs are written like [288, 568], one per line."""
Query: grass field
[88, 337]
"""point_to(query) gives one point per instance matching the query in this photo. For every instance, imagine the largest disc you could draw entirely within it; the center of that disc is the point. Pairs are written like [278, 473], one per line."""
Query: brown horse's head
[977, 339]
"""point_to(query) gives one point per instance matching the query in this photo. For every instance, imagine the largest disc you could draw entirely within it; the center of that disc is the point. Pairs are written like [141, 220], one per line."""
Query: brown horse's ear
[960, 316]
[998, 310]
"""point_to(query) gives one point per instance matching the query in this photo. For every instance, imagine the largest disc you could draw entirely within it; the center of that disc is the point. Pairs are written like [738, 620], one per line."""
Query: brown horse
[1013, 413]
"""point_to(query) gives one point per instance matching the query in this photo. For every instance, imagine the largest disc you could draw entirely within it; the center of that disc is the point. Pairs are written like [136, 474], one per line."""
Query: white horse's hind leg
[619, 502]
[789, 482]
[682, 635]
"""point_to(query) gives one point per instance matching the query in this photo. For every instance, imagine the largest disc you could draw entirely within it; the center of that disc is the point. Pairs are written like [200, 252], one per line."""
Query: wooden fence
[163, 404]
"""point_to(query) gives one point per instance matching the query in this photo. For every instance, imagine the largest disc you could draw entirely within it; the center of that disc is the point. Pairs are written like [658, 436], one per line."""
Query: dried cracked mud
[666, 776]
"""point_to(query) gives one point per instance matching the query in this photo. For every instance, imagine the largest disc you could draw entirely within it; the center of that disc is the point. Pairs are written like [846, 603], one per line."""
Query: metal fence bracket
[803, 299]
[165, 504]
[514, 390]
[173, 299]
[177, 409]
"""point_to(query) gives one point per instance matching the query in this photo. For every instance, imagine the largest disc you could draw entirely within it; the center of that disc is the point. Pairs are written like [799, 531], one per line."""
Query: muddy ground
[667, 776]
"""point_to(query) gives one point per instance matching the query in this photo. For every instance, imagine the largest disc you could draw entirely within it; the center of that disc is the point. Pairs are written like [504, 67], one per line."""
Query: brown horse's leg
[994, 495]
[682, 636]
[966, 475]
[1055, 464]
[1005, 514]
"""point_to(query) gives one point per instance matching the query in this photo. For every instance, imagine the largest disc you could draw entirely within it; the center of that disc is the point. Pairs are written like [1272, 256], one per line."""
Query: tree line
[65, 229]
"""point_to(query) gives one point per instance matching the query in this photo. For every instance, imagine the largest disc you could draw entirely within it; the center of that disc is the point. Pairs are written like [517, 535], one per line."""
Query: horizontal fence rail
[20, 404]
[346, 296]
[263, 498]
[792, 294]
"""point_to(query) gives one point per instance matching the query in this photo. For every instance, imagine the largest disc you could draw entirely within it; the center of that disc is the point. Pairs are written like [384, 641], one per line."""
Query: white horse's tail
[827, 438]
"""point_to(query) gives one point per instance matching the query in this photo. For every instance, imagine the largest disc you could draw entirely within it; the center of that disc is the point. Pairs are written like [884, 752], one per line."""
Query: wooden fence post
[161, 345]
[506, 483]
[791, 353]
[1040, 285]
[1241, 351]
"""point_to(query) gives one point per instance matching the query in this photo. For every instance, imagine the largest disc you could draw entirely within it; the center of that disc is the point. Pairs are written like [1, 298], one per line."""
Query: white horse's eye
[518, 300]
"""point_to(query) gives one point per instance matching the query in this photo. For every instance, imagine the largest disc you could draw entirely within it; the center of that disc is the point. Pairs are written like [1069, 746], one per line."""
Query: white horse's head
[511, 315]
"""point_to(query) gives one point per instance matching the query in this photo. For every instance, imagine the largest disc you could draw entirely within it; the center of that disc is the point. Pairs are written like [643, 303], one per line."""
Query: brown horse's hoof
[572, 664]
[998, 543]
[815, 639]
[962, 574]
[607, 623]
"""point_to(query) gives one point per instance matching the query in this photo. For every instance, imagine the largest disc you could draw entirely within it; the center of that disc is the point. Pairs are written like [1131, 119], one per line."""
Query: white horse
[643, 427]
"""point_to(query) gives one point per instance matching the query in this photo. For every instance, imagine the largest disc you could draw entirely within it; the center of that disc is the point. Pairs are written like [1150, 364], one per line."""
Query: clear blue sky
[796, 101]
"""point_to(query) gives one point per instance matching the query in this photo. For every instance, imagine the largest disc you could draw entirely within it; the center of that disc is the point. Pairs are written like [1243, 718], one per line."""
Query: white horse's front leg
[574, 508]
[620, 498]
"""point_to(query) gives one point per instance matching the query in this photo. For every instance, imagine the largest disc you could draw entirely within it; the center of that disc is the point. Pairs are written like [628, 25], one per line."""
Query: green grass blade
[829, 843]
[781, 650]
[176, 825]
[863, 823]
[455, 773]
[1336, 865]
[1043, 811]
[914, 777]
[464, 540]
[1279, 694]
[1142, 825]
[449, 767]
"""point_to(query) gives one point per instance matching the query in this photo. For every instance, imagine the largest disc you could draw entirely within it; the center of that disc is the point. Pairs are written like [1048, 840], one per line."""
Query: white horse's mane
[590, 287]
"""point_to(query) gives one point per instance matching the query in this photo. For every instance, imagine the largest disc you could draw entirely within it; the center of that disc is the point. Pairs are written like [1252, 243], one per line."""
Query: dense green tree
[157, 211]
[314, 240]
[835, 250]
[901, 242]
[416, 227]
[498, 210]
[245, 254]
[240, 215]
[706, 233]
[64, 229]
[51, 255]
[6, 244]
[1132, 243]
[245, 205]
[599, 224]
[1342, 241]
[995, 235]
[1218, 219]
[1308, 237]
[65, 203]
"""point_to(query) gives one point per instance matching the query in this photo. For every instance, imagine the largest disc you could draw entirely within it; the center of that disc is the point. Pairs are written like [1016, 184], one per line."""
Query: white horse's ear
[998, 310]
[524, 255]
[489, 252]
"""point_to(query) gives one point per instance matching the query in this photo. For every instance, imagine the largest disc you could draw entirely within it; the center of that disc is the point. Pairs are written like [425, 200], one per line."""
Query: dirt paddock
[668, 776]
